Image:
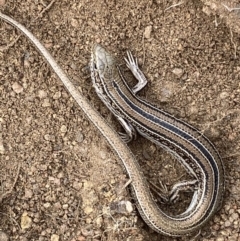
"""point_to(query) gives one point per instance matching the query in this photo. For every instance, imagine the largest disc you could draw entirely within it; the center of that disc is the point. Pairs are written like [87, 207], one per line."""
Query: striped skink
[194, 150]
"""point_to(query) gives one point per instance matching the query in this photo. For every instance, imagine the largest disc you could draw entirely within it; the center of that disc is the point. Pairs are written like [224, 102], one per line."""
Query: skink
[194, 150]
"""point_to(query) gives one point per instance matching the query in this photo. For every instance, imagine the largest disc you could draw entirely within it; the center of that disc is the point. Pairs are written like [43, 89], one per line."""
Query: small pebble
[74, 22]
[63, 129]
[17, 88]
[65, 206]
[178, 72]
[224, 95]
[42, 94]
[147, 32]
[124, 207]
[2, 149]
[57, 95]
[47, 205]
[103, 155]
[227, 223]
[87, 210]
[220, 239]
[46, 103]
[235, 216]
[28, 194]
[79, 136]
[54, 237]
[77, 185]
[81, 238]
[26, 221]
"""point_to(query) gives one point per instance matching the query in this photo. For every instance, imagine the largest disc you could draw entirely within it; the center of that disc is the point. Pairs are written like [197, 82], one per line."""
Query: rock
[123, 207]
[26, 221]
[178, 72]
[148, 31]
[17, 88]
[54, 237]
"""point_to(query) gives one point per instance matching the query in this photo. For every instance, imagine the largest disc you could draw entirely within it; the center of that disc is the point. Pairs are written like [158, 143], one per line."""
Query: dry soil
[59, 180]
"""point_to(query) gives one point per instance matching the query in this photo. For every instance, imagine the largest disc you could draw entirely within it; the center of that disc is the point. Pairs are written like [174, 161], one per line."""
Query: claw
[125, 137]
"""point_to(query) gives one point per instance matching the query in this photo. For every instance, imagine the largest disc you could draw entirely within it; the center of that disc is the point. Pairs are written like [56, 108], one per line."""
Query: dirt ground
[59, 180]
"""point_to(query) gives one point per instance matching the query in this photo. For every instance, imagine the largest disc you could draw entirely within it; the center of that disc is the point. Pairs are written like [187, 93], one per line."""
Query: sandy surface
[68, 180]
